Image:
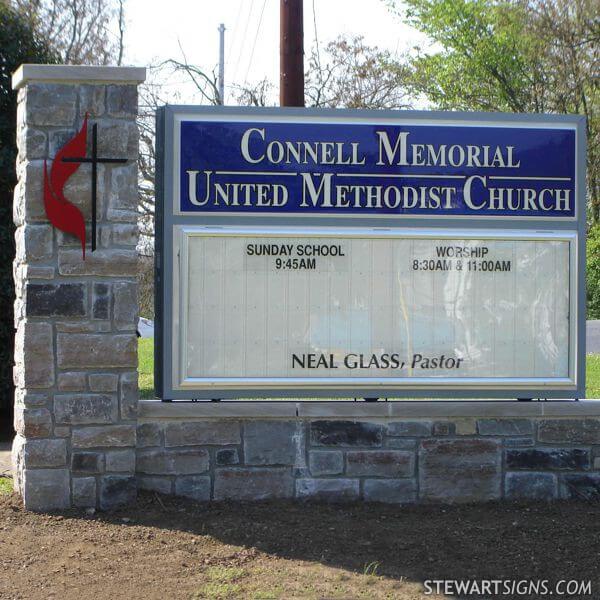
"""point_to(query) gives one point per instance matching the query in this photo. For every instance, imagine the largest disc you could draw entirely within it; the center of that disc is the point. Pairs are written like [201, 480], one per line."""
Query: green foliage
[592, 380]
[6, 486]
[593, 273]
[487, 61]
[146, 367]
[536, 56]
[18, 44]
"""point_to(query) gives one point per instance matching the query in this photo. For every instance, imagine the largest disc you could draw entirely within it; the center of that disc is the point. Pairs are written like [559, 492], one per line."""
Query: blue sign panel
[357, 169]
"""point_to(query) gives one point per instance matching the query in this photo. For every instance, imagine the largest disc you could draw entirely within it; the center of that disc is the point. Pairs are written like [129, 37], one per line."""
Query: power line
[237, 64]
[262, 12]
[235, 29]
[316, 35]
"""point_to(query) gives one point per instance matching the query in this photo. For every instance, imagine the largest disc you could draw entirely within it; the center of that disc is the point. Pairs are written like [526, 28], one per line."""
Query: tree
[513, 56]
[354, 75]
[78, 30]
[18, 44]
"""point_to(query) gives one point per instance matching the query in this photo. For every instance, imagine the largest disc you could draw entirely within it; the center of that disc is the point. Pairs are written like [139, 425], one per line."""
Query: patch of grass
[6, 486]
[592, 376]
[218, 591]
[221, 583]
[146, 367]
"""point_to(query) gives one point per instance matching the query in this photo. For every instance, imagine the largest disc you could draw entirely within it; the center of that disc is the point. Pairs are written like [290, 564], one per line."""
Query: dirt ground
[173, 548]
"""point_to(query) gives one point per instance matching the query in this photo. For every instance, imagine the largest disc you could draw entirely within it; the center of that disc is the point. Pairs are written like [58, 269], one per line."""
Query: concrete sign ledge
[149, 409]
[72, 73]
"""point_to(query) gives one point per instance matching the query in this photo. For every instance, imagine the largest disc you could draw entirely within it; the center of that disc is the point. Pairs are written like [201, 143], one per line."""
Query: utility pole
[291, 53]
[222, 63]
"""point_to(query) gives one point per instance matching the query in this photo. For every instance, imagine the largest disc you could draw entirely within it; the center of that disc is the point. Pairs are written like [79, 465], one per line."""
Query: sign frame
[170, 222]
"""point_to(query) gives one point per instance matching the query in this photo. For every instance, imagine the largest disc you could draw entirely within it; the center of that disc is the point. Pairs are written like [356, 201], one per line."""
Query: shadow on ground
[492, 541]
[289, 550]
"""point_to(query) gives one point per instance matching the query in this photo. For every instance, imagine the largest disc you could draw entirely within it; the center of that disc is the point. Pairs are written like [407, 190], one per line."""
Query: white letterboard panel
[266, 308]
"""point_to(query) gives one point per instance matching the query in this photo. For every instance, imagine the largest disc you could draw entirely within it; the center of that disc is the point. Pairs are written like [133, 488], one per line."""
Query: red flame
[60, 212]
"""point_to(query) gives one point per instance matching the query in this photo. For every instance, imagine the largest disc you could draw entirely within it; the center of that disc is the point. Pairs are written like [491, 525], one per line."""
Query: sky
[161, 29]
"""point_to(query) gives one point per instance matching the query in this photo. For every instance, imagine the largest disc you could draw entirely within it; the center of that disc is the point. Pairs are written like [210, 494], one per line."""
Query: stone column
[76, 349]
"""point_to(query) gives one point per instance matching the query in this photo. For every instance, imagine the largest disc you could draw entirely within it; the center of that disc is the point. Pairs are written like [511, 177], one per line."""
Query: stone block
[253, 484]
[28, 194]
[71, 382]
[116, 491]
[55, 299]
[518, 442]
[87, 462]
[52, 104]
[121, 215]
[410, 428]
[530, 486]
[464, 470]
[84, 492]
[128, 395]
[324, 462]
[390, 491]
[579, 486]
[35, 351]
[85, 409]
[122, 100]
[103, 382]
[443, 428]
[380, 463]
[101, 436]
[401, 443]
[30, 400]
[31, 143]
[569, 431]
[162, 485]
[465, 426]
[44, 453]
[125, 306]
[57, 138]
[91, 100]
[505, 426]
[122, 461]
[195, 487]
[227, 456]
[119, 138]
[88, 350]
[149, 434]
[46, 489]
[269, 442]
[62, 431]
[33, 422]
[184, 461]
[33, 243]
[118, 262]
[201, 433]
[123, 191]
[345, 433]
[36, 272]
[328, 490]
[535, 459]
[101, 301]
[124, 234]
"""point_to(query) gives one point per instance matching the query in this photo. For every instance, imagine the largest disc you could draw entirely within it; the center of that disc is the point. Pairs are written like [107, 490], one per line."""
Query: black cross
[94, 160]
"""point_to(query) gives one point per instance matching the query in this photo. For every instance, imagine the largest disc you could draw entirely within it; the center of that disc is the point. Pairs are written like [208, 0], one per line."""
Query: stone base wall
[397, 460]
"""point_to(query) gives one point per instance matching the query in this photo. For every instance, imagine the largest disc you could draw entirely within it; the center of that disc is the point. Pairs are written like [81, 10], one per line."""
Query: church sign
[311, 253]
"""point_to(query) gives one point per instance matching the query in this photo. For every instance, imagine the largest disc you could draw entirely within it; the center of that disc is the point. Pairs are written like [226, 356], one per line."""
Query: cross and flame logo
[63, 214]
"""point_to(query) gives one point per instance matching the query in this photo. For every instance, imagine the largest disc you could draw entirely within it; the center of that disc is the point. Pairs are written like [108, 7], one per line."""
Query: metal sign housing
[338, 253]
